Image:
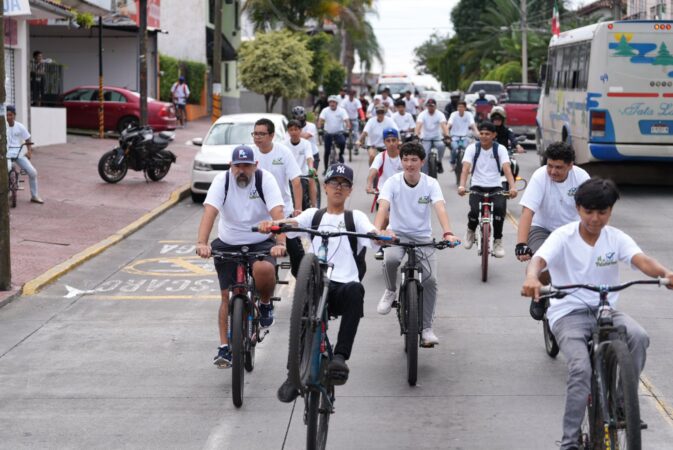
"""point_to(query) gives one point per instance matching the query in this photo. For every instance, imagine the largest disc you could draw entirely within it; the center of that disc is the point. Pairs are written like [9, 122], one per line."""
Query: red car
[121, 106]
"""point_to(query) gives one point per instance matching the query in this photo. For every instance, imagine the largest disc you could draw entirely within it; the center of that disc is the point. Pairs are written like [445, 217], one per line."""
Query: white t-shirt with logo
[334, 119]
[571, 260]
[244, 207]
[311, 129]
[391, 166]
[461, 125]
[303, 151]
[280, 161]
[374, 130]
[431, 124]
[339, 248]
[404, 122]
[552, 203]
[486, 172]
[351, 107]
[410, 207]
[16, 136]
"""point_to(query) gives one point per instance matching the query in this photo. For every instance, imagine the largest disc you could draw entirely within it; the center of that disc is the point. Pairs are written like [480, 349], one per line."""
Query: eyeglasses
[339, 184]
[259, 134]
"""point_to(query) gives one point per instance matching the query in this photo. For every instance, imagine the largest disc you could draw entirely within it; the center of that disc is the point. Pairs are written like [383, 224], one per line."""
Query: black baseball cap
[339, 170]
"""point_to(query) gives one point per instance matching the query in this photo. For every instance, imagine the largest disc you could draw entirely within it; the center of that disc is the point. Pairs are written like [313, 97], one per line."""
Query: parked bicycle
[310, 351]
[612, 418]
[410, 304]
[245, 331]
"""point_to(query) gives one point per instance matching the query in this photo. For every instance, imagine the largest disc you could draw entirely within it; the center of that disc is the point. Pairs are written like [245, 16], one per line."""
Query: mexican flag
[555, 22]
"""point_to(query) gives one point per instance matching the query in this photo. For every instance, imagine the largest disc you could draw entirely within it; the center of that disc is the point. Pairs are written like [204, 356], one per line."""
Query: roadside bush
[172, 68]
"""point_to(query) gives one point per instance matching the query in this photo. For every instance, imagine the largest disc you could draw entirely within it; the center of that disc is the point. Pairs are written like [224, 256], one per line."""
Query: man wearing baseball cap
[345, 296]
[242, 196]
[431, 126]
[372, 134]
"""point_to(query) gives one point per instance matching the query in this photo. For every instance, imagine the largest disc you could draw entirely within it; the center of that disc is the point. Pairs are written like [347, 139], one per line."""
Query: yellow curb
[33, 286]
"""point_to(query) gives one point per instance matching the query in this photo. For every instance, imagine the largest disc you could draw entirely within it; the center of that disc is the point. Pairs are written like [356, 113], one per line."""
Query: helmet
[298, 111]
[455, 94]
[333, 98]
[482, 93]
[498, 111]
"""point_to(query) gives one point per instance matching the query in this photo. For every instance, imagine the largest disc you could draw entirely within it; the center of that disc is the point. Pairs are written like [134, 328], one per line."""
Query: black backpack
[350, 226]
[477, 150]
[258, 185]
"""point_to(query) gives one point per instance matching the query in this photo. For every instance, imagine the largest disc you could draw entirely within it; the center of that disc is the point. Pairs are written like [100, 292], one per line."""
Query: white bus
[608, 91]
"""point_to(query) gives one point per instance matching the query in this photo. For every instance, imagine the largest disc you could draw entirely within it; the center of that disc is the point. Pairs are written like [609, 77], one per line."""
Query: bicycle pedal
[427, 345]
[395, 304]
[275, 299]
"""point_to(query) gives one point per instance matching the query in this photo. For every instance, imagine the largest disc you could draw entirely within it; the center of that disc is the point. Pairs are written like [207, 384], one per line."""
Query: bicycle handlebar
[488, 194]
[324, 234]
[441, 245]
[238, 255]
[551, 291]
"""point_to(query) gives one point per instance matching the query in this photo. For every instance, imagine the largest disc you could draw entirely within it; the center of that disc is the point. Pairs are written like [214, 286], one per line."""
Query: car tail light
[163, 112]
[598, 123]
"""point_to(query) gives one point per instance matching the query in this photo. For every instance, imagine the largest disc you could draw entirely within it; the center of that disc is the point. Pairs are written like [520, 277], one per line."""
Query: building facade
[650, 9]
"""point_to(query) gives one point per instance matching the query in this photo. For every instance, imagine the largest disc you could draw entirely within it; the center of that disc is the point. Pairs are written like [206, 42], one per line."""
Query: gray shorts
[536, 237]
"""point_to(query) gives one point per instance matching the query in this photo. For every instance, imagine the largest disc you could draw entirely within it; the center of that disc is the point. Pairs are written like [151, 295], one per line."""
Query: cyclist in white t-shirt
[548, 203]
[408, 198]
[588, 252]
[387, 100]
[235, 197]
[353, 106]
[334, 120]
[491, 159]
[404, 121]
[411, 104]
[303, 153]
[431, 127]
[461, 124]
[309, 132]
[373, 132]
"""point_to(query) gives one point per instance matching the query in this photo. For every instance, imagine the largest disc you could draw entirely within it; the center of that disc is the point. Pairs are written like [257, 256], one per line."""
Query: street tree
[5, 259]
[276, 65]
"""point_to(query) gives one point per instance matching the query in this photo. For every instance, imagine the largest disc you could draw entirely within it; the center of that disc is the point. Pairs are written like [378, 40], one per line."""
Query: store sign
[127, 13]
[17, 8]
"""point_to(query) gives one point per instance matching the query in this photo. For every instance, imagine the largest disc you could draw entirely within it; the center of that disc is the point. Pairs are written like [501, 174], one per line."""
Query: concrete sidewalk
[81, 209]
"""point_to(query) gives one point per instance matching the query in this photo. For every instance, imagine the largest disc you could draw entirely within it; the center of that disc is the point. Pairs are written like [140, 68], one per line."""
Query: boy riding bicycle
[588, 251]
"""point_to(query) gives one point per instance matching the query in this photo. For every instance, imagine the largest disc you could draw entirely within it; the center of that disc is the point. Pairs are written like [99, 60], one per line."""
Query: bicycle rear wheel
[432, 165]
[485, 251]
[237, 350]
[306, 296]
[591, 429]
[622, 395]
[13, 187]
[250, 343]
[317, 419]
[318, 193]
[411, 336]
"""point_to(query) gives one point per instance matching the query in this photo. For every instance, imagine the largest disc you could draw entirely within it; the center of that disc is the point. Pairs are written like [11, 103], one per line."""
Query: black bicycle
[310, 351]
[306, 193]
[410, 304]
[433, 157]
[244, 316]
[14, 176]
[612, 418]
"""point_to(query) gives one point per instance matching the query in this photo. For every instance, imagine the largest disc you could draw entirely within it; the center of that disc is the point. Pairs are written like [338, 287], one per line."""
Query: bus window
[573, 73]
[558, 69]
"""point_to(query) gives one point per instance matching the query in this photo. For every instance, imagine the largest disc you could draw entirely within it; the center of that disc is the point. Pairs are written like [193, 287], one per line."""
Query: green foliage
[172, 68]
[319, 45]
[509, 72]
[84, 20]
[335, 75]
[276, 64]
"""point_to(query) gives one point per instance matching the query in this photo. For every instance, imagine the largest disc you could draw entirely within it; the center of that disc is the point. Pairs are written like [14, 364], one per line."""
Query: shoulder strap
[317, 218]
[495, 155]
[226, 187]
[477, 150]
[383, 162]
[350, 226]
[258, 185]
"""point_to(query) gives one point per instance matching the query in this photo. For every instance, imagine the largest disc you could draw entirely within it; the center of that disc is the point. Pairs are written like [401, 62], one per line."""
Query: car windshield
[523, 96]
[494, 89]
[396, 88]
[230, 134]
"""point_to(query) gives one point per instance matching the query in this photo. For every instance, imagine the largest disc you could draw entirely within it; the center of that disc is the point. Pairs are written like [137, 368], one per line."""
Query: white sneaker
[428, 337]
[386, 302]
[498, 249]
[469, 239]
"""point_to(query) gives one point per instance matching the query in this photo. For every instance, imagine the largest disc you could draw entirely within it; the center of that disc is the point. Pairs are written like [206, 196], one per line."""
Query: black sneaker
[287, 392]
[537, 310]
[337, 370]
[266, 312]
[223, 358]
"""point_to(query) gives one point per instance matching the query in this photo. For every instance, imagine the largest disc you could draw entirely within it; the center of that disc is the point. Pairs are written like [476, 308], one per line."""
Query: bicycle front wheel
[622, 395]
[411, 337]
[459, 166]
[485, 251]
[432, 165]
[237, 350]
[306, 296]
[318, 193]
[13, 187]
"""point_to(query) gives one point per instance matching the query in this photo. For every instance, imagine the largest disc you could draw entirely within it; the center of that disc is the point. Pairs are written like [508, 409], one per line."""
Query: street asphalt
[118, 353]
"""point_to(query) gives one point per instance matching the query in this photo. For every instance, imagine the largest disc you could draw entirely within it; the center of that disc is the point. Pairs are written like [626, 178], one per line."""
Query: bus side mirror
[542, 74]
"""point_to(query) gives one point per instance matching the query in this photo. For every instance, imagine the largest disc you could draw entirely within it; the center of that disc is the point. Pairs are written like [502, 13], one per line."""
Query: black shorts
[180, 106]
[226, 270]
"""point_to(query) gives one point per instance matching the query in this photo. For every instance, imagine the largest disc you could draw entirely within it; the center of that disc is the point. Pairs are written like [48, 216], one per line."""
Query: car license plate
[659, 129]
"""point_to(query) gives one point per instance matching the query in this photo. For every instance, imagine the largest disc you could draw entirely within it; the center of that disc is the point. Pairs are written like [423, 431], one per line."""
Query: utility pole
[142, 35]
[101, 98]
[5, 259]
[524, 42]
[217, 43]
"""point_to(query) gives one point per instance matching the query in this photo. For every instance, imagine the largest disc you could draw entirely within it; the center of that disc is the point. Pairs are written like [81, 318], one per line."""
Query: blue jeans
[25, 164]
[427, 145]
[340, 140]
[455, 143]
[355, 129]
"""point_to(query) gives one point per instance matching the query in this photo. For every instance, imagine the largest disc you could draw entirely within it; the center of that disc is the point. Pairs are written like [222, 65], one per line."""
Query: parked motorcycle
[139, 149]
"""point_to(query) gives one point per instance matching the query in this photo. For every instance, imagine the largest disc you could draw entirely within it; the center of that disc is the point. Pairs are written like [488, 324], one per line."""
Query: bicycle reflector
[598, 123]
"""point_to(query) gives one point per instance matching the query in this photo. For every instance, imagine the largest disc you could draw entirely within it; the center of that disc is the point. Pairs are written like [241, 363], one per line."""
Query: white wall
[185, 22]
[47, 126]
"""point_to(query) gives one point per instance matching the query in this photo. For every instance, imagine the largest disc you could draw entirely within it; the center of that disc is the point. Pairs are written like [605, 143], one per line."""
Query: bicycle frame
[410, 273]
[485, 208]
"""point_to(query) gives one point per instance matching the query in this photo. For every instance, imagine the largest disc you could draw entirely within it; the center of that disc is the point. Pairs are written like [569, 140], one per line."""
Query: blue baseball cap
[243, 155]
[339, 170]
[391, 132]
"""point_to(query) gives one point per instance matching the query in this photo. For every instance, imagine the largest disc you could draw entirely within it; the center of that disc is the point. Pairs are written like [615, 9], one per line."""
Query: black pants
[498, 212]
[346, 300]
[337, 139]
[296, 252]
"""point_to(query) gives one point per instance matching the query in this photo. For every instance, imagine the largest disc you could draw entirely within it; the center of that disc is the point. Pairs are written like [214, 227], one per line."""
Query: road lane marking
[646, 385]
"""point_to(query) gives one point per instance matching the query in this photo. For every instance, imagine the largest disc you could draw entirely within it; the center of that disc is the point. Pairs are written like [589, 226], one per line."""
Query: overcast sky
[403, 25]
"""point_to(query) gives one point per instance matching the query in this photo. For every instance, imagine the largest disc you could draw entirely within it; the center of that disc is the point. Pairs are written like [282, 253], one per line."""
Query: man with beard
[242, 196]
